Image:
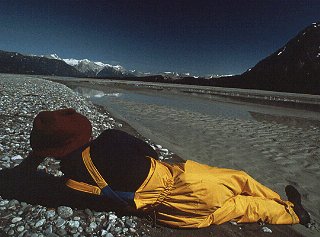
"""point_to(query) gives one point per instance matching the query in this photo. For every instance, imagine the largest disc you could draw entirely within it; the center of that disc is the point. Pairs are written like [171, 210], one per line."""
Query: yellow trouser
[193, 195]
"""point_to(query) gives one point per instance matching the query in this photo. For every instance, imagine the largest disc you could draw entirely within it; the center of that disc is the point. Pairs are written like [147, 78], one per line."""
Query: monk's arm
[29, 164]
[42, 189]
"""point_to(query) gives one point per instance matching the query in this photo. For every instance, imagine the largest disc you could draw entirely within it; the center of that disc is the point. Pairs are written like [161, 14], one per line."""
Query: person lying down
[121, 169]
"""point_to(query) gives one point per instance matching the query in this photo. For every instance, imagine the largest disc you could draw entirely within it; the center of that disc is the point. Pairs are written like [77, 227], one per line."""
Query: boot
[295, 197]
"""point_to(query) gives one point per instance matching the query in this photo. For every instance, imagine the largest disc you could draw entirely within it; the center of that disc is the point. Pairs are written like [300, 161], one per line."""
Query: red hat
[57, 133]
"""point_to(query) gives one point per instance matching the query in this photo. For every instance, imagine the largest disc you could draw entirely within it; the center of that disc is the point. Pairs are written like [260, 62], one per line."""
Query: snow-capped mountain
[97, 69]
[175, 75]
[85, 66]
[210, 76]
[100, 69]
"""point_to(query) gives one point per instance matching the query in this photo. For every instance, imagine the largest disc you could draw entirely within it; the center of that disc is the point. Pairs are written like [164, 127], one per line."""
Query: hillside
[11, 62]
[295, 67]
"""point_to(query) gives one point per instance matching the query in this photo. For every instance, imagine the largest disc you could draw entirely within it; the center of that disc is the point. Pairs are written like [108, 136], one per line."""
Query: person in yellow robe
[126, 170]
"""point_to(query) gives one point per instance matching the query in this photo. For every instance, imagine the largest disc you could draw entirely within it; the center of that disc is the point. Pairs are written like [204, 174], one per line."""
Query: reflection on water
[115, 100]
[114, 94]
[89, 93]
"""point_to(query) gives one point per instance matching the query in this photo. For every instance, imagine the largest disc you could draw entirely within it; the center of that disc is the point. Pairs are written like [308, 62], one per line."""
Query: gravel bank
[22, 97]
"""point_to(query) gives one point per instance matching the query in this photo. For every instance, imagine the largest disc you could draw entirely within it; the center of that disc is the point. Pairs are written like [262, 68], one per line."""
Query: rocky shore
[21, 98]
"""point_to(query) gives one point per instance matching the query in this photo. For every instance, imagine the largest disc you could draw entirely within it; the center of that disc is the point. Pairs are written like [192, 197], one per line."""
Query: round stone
[20, 228]
[40, 223]
[60, 222]
[65, 212]
[13, 203]
[112, 217]
[104, 232]
[16, 219]
[75, 224]
[93, 225]
[89, 229]
[50, 213]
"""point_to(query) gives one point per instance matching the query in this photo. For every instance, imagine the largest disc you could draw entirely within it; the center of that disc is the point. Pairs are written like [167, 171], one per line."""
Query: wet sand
[278, 146]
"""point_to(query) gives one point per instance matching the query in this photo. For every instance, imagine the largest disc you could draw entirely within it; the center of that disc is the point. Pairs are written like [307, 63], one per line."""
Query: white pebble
[4, 202]
[93, 225]
[40, 223]
[50, 213]
[16, 219]
[104, 232]
[164, 150]
[112, 217]
[18, 157]
[233, 223]
[75, 224]
[266, 230]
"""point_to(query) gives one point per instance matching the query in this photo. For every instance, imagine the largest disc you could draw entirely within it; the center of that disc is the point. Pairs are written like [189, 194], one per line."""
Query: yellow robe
[194, 195]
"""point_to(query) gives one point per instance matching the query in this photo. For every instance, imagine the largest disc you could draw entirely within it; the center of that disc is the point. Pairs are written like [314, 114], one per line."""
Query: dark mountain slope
[11, 62]
[293, 68]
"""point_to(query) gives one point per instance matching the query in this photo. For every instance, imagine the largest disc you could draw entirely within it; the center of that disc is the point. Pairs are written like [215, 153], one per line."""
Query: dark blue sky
[201, 37]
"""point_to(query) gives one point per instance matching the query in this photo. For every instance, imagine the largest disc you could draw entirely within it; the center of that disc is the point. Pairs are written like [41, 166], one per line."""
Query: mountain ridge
[13, 62]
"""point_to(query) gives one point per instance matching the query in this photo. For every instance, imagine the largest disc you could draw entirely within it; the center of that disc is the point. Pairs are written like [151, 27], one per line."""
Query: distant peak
[71, 61]
[51, 56]
[55, 56]
[101, 64]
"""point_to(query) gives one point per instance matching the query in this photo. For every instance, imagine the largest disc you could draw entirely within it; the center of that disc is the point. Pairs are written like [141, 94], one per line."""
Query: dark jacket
[119, 157]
